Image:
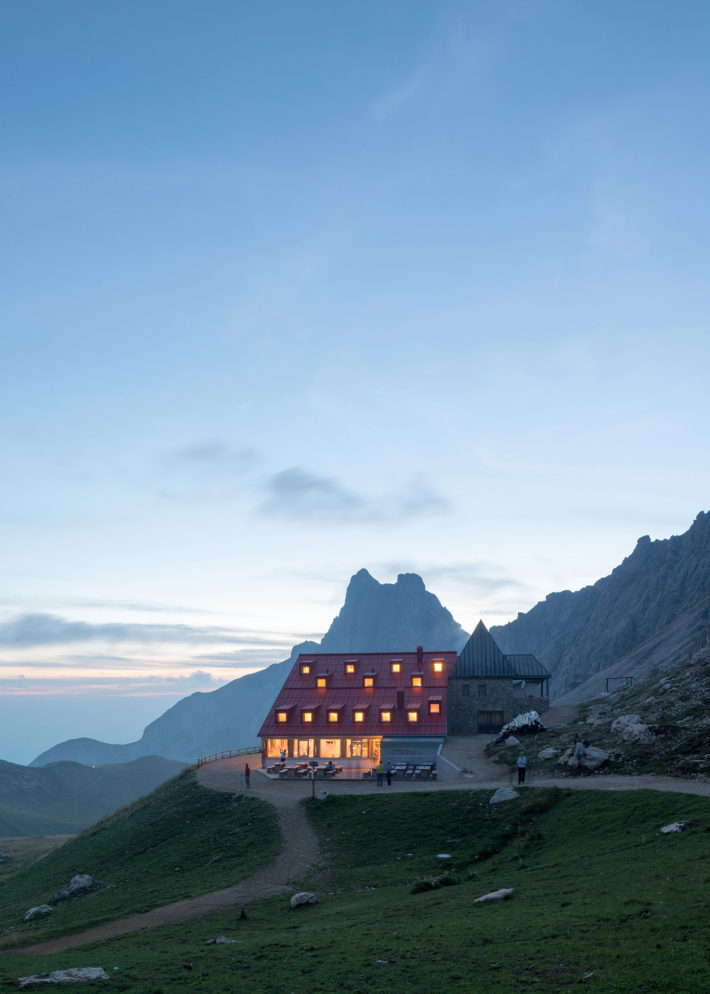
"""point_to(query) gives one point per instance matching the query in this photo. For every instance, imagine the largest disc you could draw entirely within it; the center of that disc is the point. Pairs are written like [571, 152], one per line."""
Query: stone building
[487, 688]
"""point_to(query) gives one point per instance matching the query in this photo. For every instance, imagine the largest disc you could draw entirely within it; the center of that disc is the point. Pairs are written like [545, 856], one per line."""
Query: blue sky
[290, 289]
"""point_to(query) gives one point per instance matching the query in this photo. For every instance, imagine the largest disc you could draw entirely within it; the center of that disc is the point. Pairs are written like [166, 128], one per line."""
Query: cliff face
[375, 617]
[577, 635]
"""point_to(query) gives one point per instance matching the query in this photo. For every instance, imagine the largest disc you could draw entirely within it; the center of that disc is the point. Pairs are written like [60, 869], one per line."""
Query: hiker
[283, 755]
[579, 753]
[388, 771]
[522, 767]
[247, 774]
[380, 771]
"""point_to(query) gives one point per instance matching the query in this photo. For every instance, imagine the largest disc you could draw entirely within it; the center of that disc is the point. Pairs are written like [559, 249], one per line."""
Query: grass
[598, 890]
[181, 841]
[25, 850]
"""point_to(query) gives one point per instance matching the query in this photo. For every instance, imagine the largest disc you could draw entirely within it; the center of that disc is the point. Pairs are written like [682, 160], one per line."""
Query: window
[368, 681]
[385, 716]
[274, 747]
[413, 716]
[438, 666]
[305, 669]
[333, 716]
[282, 716]
[395, 666]
[330, 748]
[321, 682]
[434, 707]
[465, 690]
[481, 690]
[308, 716]
[358, 716]
[350, 667]
[416, 680]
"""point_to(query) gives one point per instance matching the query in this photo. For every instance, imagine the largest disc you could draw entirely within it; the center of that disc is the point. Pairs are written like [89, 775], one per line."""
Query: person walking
[388, 771]
[247, 775]
[522, 767]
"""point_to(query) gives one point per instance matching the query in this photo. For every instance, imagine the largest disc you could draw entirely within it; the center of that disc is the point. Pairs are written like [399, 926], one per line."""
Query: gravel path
[467, 768]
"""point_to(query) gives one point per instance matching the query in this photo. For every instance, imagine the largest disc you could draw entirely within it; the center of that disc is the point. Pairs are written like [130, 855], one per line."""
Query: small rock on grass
[676, 826]
[221, 940]
[37, 912]
[303, 897]
[496, 895]
[74, 975]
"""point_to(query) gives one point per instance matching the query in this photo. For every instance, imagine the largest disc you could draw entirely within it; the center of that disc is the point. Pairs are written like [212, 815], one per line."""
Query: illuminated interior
[333, 716]
[416, 681]
[321, 681]
[395, 667]
[413, 716]
[350, 667]
[434, 707]
[358, 716]
[282, 716]
[385, 716]
[274, 747]
[330, 748]
[308, 716]
[305, 669]
[368, 681]
[438, 666]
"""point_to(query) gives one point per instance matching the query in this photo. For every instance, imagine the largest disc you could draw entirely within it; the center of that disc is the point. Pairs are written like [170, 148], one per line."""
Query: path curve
[300, 852]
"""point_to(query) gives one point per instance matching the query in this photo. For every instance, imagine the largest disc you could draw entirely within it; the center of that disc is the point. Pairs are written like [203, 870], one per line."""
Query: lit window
[395, 667]
[321, 681]
[438, 666]
[308, 716]
[350, 667]
[385, 716]
[333, 716]
[368, 681]
[416, 681]
[359, 715]
[282, 716]
[434, 707]
[305, 669]
[413, 716]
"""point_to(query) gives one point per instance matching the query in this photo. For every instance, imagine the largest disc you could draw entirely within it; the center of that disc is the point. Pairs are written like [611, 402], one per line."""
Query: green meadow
[602, 899]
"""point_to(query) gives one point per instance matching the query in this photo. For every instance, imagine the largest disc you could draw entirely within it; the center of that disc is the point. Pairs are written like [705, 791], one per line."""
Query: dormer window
[412, 715]
[358, 716]
[435, 705]
[334, 717]
[307, 717]
[386, 716]
[305, 669]
[396, 666]
[438, 666]
[322, 681]
[350, 668]
[417, 679]
[368, 680]
[282, 717]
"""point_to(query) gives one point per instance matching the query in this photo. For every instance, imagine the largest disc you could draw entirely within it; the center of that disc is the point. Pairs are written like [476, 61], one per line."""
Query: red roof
[346, 692]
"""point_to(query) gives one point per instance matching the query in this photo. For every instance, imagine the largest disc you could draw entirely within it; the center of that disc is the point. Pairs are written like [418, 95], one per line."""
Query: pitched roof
[481, 657]
[391, 692]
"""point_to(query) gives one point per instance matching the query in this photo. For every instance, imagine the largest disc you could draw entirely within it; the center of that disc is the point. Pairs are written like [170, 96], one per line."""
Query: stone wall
[468, 696]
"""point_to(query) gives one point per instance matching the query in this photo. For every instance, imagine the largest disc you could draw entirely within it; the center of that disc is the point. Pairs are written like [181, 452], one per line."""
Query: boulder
[322, 795]
[549, 753]
[73, 975]
[503, 794]
[676, 826]
[496, 895]
[592, 759]
[632, 729]
[78, 884]
[524, 724]
[512, 741]
[38, 912]
[221, 940]
[303, 897]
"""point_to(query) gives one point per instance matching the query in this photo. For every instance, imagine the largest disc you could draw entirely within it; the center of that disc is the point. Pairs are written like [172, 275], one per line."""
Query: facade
[488, 689]
[358, 708]
[361, 707]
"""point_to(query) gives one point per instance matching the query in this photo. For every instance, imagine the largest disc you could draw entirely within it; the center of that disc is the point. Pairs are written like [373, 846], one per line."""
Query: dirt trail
[300, 854]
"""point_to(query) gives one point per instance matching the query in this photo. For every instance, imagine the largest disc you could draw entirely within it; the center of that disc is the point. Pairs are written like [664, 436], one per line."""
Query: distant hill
[652, 611]
[63, 798]
[375, 617]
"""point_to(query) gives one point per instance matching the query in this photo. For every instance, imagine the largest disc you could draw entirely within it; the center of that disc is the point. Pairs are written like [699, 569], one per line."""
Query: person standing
[388, 771]
[247, 775]
[379, 772]
[522, 767]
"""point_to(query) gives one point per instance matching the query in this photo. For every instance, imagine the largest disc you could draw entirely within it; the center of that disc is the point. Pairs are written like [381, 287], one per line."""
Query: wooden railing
[212, 757]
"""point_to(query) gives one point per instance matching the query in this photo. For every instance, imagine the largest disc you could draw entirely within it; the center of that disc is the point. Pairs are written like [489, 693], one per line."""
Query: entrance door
[489, 722]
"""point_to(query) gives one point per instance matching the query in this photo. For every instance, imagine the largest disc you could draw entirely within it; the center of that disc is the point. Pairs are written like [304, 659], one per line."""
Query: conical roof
[481, 657]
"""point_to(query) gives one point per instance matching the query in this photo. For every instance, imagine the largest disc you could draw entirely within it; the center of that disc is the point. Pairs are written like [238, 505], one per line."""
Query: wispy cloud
[111, 686]
[47, 629]
[299, 494]
[209, 470]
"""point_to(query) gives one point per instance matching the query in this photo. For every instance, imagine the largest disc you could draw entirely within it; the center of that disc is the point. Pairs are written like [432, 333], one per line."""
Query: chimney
[420, 656]
[400, 700]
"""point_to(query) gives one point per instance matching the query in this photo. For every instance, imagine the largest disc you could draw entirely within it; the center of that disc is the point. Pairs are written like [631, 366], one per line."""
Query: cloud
[207, 470]
[299, 494]
[154, 685]
[47, 629]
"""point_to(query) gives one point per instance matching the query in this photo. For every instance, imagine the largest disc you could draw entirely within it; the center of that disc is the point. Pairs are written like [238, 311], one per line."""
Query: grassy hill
[178, 842]
[602, 897]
